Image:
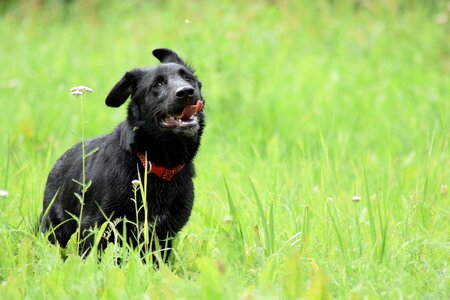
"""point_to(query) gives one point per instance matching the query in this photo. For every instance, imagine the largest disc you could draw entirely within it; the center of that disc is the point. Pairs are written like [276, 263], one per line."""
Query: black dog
[161, 135]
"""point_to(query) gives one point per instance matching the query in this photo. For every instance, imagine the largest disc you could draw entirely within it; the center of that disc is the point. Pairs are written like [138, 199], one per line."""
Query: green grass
[308, 104]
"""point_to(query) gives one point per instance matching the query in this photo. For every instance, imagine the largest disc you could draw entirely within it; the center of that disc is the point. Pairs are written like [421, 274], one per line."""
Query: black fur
[114, 166]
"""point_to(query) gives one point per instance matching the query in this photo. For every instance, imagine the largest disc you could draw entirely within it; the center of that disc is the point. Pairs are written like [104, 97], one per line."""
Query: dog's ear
[124, 88]
[166, 55]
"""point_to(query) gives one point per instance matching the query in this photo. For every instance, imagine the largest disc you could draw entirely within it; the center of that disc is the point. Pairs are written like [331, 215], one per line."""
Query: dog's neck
[167, 151]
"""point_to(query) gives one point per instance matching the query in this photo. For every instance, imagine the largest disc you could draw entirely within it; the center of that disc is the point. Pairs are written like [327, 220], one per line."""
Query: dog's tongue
[190, 110]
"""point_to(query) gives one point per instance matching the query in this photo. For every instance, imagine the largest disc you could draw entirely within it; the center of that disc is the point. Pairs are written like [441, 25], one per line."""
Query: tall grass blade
[272, 228]
[337, 228]
[383, 241]
[234, 212]
[267, 237]
[5, 183]
[373, 230]
[305, 226]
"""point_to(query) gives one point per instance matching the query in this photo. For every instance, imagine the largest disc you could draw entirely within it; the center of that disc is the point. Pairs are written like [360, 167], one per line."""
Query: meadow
[324, 167]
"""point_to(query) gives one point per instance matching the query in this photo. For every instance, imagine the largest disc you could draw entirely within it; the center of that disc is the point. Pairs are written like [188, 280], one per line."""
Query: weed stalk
[79, 93]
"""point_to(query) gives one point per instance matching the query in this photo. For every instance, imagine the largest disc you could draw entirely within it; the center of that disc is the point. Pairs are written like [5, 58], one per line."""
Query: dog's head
[165, 99]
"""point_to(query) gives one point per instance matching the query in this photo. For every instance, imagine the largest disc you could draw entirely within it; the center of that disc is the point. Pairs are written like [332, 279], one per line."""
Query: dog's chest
[160, 199]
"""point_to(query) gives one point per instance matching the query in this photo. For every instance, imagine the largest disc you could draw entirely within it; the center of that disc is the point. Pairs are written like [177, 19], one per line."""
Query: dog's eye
[187, 78]
[157, 84]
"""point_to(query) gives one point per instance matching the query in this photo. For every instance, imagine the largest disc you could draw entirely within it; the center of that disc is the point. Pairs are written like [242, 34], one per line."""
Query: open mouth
[187, 117]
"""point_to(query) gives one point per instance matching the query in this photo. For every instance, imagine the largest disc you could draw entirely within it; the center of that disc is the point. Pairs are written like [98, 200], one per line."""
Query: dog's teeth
[172, 121]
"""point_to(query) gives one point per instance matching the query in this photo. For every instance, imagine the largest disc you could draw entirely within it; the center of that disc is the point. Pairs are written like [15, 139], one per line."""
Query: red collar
[161, 172]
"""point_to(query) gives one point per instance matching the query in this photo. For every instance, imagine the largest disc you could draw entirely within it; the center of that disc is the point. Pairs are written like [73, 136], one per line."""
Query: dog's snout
[184, 92]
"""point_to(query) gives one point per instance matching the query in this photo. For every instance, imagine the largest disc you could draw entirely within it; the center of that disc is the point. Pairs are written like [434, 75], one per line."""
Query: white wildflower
[135, 183]
[444, 190]
[4, 193]
[80, 90]
[356, 198]
[76, 93]
[228, 219]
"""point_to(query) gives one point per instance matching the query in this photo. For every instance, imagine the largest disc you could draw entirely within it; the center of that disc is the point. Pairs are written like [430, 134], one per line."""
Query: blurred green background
[309, 103]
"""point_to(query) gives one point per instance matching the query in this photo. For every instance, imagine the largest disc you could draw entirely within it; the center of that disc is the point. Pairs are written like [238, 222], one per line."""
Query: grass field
[309, 104]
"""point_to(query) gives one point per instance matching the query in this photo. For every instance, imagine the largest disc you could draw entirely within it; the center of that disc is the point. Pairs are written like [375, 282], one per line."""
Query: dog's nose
[184, 92]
